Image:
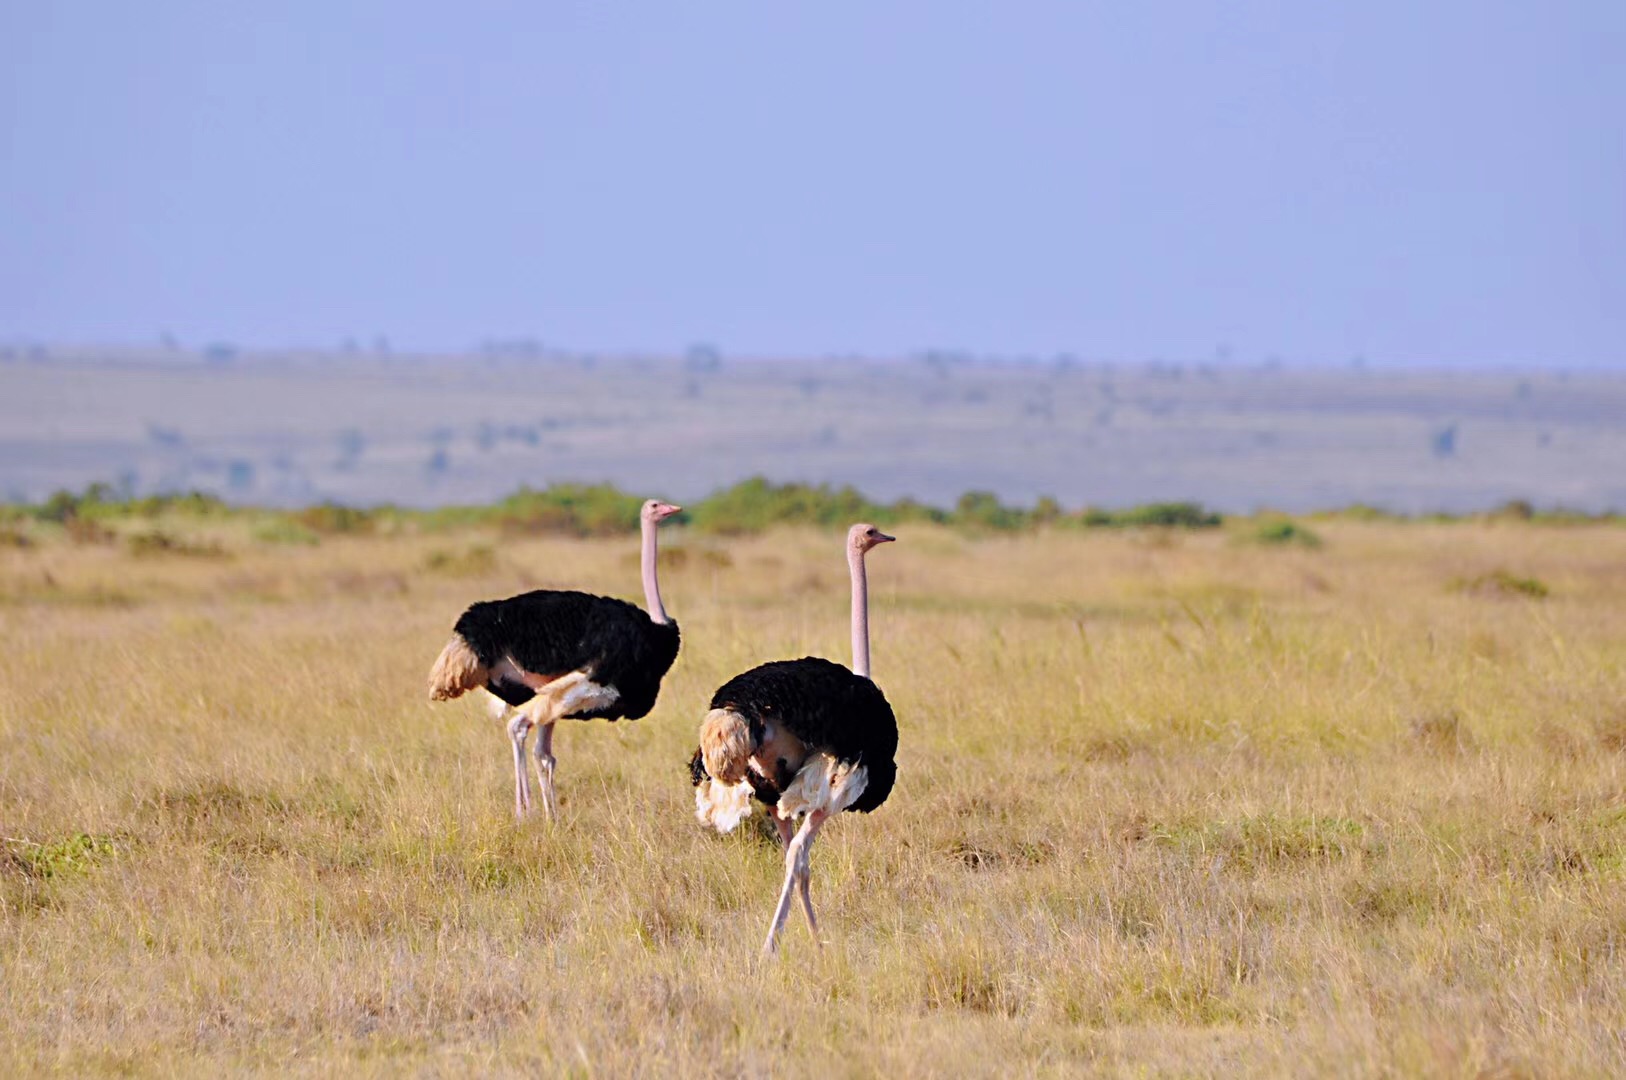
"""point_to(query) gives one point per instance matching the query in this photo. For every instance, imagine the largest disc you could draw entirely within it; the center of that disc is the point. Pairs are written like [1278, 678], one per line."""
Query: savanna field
[1169, 802]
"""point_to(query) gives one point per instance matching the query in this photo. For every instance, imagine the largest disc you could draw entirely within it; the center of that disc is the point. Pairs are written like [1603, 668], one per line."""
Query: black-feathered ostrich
[555, 654]
[807, 737]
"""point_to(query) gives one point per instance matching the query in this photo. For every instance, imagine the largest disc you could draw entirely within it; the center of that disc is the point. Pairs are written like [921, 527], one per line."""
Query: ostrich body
[558, 654]
[807, 738]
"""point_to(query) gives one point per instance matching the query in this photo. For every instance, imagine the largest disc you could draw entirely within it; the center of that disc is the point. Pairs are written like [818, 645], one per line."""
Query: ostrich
[554, 654]
[806, 737]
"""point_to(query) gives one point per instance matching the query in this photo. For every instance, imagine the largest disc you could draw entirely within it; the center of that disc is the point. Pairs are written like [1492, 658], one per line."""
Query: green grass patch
[154, 542]
[72, 855]
[288, 532]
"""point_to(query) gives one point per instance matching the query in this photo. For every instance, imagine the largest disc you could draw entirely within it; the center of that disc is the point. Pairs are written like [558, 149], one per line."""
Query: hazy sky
[1440, 181]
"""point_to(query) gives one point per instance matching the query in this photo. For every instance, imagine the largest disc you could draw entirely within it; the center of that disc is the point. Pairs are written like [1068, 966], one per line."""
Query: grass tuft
[1498, 583]
[1442, 732]
[477, 560]
[157, 542]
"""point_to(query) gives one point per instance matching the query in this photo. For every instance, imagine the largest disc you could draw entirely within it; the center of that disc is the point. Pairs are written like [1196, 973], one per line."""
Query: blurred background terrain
[302, 428]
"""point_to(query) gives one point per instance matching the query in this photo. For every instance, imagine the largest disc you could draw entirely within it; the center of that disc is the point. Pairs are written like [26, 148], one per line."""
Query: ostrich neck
[855, 563]
[652, 585]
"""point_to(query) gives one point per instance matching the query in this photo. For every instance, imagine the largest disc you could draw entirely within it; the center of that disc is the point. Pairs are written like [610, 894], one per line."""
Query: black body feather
[827, 707]
[555, 632]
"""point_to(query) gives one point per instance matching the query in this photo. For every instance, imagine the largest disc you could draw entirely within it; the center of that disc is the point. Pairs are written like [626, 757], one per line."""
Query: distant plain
[291, 429]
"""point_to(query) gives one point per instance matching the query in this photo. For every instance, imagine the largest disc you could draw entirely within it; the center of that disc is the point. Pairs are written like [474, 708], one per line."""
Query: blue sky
[1440, 183]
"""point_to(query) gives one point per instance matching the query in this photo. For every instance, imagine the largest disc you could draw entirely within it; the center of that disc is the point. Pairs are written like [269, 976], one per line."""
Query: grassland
[1177, 803]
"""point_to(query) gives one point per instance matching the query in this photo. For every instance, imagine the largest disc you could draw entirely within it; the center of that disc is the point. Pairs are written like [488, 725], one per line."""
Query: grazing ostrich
[807, 737]
[553, 655]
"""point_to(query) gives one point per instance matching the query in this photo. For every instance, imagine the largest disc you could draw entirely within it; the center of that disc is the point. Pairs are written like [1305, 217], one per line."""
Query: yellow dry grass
[1167, 804]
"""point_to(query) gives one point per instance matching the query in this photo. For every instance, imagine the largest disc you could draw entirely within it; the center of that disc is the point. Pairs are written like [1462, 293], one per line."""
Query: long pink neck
[652, 585]
[855, 564]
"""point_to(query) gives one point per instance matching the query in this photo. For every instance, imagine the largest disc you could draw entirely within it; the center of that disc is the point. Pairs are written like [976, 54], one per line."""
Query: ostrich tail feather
[456, 672]
[725, 745]
[722, 806]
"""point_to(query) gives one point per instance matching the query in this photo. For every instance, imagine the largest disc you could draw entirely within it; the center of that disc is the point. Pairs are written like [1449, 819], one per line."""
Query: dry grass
[1166, 805]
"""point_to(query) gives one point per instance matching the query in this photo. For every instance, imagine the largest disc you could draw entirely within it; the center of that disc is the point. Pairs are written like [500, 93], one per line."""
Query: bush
[581, 510]
[102, 502]
[1282, 532]
[755, 504]
[331, 519]
[1513, 510]
[194, 504]
[61, 506]
[1093, 517]
[1176, 515]
[982, 509]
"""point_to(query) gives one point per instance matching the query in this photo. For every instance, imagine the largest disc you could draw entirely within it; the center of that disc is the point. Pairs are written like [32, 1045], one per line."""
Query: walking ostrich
[556, 654]
[806, 737]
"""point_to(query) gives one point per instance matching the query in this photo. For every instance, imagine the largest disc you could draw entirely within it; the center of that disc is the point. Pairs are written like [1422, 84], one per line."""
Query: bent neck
[652, 585]
[855, 564]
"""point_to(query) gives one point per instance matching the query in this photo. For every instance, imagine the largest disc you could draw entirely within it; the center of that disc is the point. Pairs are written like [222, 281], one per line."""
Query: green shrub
[755, 504]
[331, 519]
[982, 509]
[1093, 517]
[102, 502]
[1281, 532]
[59, 507]
[193, 504]
[1174, 515]
[577, 509]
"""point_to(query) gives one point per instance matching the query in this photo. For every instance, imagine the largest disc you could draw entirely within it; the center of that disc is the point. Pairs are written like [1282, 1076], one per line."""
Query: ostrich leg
[787, 829]
[518, 729]
[807, 905]
[545, 760]
[797, 866]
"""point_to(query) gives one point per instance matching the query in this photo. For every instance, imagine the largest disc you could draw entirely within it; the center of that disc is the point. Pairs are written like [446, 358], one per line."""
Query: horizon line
[222, 353]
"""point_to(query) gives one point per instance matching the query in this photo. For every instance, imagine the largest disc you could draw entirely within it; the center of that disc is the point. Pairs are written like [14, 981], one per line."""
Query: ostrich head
[862, 537]
[655, 511]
